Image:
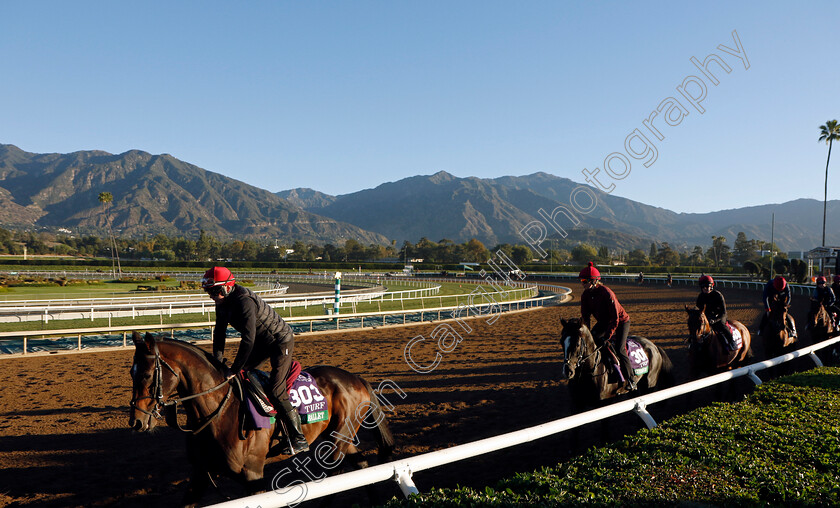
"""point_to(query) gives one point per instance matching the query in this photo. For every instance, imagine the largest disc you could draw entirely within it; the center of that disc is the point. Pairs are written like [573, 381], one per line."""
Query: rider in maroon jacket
[264, 335]
[613, 321]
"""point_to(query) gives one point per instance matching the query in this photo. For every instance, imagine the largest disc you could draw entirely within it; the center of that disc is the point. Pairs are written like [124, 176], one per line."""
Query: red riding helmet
[837, 279]
[820, 280]
[706, 280]
[218, 276]
[779, 283]
[590, 272]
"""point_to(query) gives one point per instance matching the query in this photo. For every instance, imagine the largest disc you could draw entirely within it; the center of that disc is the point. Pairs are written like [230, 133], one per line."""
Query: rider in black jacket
[264, 335]
[711, 302]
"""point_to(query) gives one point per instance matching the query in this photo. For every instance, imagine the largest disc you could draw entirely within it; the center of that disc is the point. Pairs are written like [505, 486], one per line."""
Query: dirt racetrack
[64, 439]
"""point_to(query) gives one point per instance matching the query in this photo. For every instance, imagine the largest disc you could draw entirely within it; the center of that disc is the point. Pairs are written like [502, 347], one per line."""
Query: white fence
[401, 470]
[196, 303]
[523, 297]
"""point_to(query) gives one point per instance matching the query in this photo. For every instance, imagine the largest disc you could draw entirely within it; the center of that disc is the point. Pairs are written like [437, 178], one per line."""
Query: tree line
[745, 253]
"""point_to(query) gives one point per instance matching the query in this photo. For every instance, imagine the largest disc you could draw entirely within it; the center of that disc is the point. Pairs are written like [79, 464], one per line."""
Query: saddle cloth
[737, 340]
[304, 394]
[638, 358]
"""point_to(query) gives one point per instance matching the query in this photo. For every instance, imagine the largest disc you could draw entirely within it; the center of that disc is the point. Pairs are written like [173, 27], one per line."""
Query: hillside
[151, 194]
[495, 210]
[161, 194]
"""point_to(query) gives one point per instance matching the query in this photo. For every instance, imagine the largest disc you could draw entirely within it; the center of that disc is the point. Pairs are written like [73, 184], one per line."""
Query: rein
[700, 334]
[581, 359]
[158, 397]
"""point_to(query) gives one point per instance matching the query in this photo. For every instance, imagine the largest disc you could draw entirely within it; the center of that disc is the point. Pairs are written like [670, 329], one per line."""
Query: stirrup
[629, 386]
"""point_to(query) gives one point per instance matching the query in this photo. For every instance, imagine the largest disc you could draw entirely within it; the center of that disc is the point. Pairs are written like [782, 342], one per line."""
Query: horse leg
[199, 481]
[254, 481]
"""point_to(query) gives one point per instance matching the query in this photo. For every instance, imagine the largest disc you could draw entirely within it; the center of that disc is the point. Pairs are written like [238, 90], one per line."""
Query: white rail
[196, 303]
[401, 470]
[527, 298]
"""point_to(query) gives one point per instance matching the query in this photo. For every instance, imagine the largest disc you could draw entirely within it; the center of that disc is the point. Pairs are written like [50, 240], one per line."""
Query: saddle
[258, 411]
[639, 361]
[737, 340]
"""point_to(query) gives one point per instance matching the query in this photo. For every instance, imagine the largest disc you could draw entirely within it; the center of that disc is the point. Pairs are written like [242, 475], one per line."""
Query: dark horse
[822, 326]
[168, 372]
[776, 333]
[591, 375]
[706, 350]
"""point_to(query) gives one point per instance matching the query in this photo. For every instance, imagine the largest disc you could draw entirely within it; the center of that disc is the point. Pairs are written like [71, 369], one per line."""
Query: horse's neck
[196, 374]
[705, 326]
[591, 351]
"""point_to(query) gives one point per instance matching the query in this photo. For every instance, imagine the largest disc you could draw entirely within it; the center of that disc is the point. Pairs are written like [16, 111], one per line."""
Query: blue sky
[344, 96]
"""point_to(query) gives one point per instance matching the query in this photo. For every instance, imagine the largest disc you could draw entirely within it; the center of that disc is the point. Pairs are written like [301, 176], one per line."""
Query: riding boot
[729, 340]
[629, 384]
[289, 417]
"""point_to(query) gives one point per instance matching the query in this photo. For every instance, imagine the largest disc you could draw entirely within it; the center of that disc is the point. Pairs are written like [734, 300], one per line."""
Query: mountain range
[496, 210]
[161, 194]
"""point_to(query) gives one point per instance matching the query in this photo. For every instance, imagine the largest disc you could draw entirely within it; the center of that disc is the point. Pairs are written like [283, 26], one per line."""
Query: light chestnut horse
[822, 326]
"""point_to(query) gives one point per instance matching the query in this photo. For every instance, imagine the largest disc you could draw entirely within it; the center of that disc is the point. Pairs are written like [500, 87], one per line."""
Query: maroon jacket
[601, 302]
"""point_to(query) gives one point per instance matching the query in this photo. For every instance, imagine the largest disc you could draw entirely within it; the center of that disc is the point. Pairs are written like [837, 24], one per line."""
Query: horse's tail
[666, 373]
[384, 439]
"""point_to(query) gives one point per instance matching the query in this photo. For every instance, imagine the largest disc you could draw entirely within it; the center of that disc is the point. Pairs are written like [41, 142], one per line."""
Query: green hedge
[779, 447]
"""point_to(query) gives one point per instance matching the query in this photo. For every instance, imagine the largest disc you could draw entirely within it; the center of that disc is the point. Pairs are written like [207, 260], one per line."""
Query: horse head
[822, 321]
[153, 379]
[578, 346]
[698, 325]
[168, 372]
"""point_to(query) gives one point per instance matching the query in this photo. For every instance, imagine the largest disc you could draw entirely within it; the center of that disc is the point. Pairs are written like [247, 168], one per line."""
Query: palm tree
[828, 133]
[106, 198]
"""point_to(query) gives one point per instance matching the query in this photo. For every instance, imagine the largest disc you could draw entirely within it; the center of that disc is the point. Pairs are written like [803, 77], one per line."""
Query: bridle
[584, 355]
[703, 331]
[161, 401]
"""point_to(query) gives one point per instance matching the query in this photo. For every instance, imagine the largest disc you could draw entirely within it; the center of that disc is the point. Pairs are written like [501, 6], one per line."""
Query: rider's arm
[720, 308]
[612, 317]
[248, 318]
[220, 334]
[585, 311]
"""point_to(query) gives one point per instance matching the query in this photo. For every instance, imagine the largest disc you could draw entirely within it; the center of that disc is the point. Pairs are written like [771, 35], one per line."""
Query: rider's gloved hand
[227, 372]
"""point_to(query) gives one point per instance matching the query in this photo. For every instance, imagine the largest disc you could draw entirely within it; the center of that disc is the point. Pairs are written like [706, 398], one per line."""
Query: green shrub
[779, 447]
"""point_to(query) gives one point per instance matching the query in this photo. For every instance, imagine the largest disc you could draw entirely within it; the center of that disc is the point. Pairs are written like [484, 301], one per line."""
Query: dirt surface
[64, 439]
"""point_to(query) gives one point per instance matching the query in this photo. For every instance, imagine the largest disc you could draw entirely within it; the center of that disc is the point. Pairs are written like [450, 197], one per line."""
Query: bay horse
[590, 372]
[776, 334]
[706, 351]
[822, 326]
[167, 372]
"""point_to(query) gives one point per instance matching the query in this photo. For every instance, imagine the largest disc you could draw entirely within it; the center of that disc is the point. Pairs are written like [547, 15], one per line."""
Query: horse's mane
[193, 349]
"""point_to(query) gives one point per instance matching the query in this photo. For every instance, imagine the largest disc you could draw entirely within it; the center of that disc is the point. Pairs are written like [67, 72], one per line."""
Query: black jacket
[260, 327]
[713, 306]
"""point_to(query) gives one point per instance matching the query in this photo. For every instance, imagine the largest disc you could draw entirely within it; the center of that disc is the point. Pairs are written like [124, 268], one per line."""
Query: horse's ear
[563, 321]
[149, 339]
[138, 342]
[687, 309]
